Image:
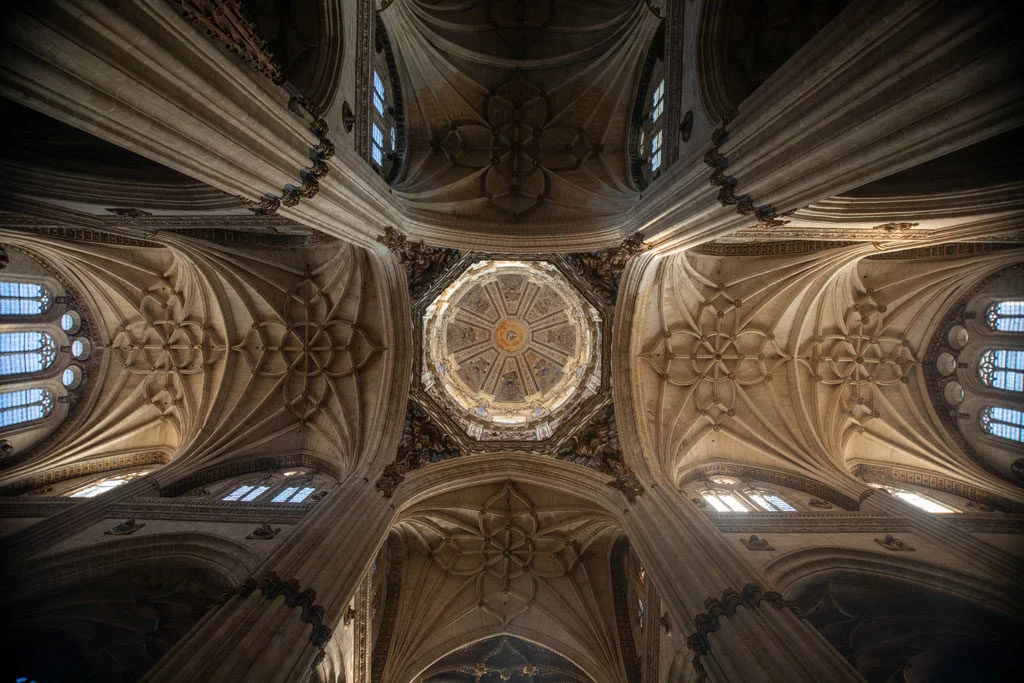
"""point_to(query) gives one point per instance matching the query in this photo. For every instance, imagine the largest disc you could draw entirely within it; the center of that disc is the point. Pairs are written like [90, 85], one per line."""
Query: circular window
[71, 377]
[78, 348]
[70, 321]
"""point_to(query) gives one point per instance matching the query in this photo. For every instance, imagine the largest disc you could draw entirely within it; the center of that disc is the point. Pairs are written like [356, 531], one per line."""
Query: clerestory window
[104, 485]
[1005, 423]
[917, 500]
[1006, 315]
[1002, 369]
[26, 352]
[726, 494]
[18, 298]
[24, 406]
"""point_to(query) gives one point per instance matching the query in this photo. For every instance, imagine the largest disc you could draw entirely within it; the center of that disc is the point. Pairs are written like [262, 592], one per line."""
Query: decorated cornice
[897, 475]
[768, 476]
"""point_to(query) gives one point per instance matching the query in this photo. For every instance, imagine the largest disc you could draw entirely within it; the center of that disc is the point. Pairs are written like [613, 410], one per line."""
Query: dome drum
[512, 352]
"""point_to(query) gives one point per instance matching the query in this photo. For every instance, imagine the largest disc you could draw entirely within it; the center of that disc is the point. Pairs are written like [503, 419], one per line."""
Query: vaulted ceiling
[519, 112]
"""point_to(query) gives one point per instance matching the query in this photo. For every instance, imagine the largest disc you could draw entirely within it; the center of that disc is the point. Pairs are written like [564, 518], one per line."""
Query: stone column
[738, 628]
[940, 530]
[274, 627]
[885, 86]
[136, 74]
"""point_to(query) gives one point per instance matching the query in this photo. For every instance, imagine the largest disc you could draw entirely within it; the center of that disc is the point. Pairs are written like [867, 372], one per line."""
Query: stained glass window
[378, 144]
[769, 502]
[1002, 369]
[24, 405]
[1006, 316]
[22, 352]
[67, 322]
[1005, 423]
[724, 502]
[23, 298]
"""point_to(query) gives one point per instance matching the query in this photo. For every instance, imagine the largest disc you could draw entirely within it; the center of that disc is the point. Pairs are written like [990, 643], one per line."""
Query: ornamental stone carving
[602, 269]
[893, 544]
[755, 543]
[126, 528]
[423, 264]
[515, 146]
[264, 532]
[507, 555]
[422, 442]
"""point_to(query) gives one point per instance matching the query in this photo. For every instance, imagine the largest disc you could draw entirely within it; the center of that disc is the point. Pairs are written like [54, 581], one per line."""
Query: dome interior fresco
[510, 348]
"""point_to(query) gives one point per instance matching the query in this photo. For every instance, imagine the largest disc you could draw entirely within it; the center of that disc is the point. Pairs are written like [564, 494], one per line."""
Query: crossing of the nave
[548, 341]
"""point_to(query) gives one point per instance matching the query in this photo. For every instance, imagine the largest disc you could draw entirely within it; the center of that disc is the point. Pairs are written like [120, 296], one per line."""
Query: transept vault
[409, 341]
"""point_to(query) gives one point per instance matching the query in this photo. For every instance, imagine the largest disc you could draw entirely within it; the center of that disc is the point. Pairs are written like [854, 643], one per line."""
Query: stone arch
[740, 44]
[889, 616]
[521, 640]
[246, 465]
[111, 611]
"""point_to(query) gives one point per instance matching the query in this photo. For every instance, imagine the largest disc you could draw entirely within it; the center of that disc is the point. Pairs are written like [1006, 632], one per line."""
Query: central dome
[510, 349]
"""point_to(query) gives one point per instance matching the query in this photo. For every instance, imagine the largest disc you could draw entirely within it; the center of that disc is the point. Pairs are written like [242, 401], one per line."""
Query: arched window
[917, 500]
[385, 131]
[96, 488]
[23, 298]
[246, 493]
[1005, 423]
[651, 142]
[1006, 316]
[24, 405]
[22, 352]
[726, 494]
[1002, 369]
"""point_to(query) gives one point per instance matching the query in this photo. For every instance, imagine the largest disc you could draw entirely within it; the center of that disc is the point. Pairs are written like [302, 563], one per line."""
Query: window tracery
[291, 487]
[39, 339]
[1005, 423]
[1006, 316]
[24, 406]
[26, 352]
[18, 297]
[725, 494]
[1002, 369]
[385, 124]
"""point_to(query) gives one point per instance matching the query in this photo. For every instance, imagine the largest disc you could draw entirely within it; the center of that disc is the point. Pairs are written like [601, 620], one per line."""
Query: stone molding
[768, 476]
[311, 613]
[805, 522]
[708, 622]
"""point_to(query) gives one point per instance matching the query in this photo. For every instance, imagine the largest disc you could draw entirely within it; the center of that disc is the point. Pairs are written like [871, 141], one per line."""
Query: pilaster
[275, 625]
[738, 628]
